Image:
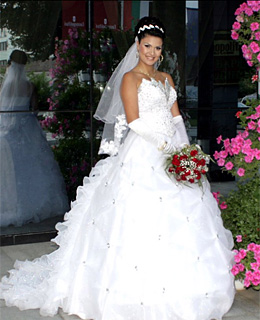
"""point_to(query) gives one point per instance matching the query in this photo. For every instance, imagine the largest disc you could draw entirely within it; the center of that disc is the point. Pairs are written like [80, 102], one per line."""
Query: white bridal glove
[180, 137]
[161, 141]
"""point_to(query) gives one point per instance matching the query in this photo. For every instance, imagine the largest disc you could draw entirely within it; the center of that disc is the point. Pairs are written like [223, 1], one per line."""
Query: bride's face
[150, 49]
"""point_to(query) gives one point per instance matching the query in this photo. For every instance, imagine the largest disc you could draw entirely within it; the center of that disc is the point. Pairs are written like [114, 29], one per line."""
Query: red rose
[182, 169]
[171, 169]
[193, 153]
[177, 170]
[198, 176]
[195, 160]
[187, 173]
[191, 180]
[183, 157]
[203, 171]
[202, 162]
[175, 160]
[183, 177]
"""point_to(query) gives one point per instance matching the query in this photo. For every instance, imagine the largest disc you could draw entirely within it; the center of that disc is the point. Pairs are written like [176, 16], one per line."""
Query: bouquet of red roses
[188, 164]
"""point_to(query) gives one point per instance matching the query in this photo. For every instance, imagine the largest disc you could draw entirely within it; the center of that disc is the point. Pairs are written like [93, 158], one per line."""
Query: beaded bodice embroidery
[155, 100]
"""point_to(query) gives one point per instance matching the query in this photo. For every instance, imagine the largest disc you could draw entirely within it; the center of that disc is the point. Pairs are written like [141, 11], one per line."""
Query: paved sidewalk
[245, 307]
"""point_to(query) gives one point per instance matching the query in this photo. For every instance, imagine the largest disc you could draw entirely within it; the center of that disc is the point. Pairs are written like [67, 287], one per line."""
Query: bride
[136, 244]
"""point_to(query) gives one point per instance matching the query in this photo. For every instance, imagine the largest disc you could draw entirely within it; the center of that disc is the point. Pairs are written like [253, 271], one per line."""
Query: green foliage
[73, 156]
[242, 215]
[246, 86]
[32, 25]
[43, 89]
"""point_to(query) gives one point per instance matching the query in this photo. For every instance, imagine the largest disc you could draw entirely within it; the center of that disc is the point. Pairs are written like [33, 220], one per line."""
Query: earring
[137, 54]
[161, 59]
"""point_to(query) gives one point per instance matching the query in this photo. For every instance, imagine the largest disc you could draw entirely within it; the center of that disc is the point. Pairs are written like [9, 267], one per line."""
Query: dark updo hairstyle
[18, 56]
[151, 26]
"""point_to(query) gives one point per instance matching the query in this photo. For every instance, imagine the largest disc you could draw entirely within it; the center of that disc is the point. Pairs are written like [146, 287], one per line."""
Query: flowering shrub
[247, 265]
[70, 112]
[240, 155]
[240, 212]
[246, 30]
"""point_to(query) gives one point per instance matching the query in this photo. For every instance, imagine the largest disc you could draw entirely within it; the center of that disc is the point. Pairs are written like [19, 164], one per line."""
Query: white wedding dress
[136, 245]
[32, 188]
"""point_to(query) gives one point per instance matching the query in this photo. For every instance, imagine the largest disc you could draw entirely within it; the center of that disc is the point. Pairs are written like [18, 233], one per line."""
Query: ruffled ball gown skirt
[31, 184]
[136, 245]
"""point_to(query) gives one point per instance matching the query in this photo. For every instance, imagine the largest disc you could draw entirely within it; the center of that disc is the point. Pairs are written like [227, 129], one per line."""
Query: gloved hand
[180, 137]
[161, 141]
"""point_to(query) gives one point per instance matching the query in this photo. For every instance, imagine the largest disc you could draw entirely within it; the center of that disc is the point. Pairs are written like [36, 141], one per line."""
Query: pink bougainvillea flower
[250, 63]
[257, 274]
[237, 258]
[249, 275]
[254, 47]
[256, 282]
[258, 57]
[235, 270]
[247, 283]
[249, 12]
[229, 165]
[244, 134]
[223, 154]
[221, 162]
[251, 125]
[241, 172]
[257, 154]
[244, 48]
[238, 11]
[216, 196]
[248, 55]
[254, 26]
[216, 155]
[249, 159]
[257, 248]
[257, 36]
[243, 6]
[236, 26]
[226, 143]
[241, 267]
[255, 266]
[234, 35]
[251, 246]
[219, 139]
[238, 238]
[242, 253]
[223, 206]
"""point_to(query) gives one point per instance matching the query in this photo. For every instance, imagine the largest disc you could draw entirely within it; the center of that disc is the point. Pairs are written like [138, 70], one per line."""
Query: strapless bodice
[155, 101]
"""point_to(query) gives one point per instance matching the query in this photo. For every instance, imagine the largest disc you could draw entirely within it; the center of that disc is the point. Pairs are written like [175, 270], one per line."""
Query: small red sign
[73, 16]
[106, 14]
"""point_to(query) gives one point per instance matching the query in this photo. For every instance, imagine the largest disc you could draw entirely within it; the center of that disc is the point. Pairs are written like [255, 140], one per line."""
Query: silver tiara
[151, 26]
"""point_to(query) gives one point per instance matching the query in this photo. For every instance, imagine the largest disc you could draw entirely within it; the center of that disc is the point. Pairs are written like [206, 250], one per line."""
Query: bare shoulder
[167, 76]
[129, 83]
[130, 78]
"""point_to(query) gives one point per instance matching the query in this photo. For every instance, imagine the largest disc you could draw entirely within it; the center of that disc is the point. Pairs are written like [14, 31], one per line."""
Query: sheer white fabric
[15, 93]
[31, 185]
[136, 244]
[110, 109]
